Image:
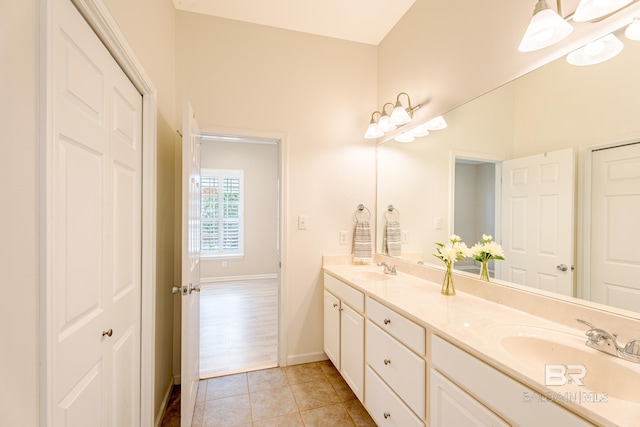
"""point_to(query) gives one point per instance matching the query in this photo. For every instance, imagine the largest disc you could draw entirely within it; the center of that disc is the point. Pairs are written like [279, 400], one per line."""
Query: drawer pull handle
[387, 321]
[335, 305]
[387, 415]
[387, 361]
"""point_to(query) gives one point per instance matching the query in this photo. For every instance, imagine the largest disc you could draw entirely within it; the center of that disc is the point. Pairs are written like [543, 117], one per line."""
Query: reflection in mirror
[557, 107]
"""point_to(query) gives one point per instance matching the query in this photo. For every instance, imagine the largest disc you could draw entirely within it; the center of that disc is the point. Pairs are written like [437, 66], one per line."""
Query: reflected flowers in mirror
[484, 252]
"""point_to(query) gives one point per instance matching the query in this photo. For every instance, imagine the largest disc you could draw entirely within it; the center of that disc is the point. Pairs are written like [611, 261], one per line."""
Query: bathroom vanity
[415, 357]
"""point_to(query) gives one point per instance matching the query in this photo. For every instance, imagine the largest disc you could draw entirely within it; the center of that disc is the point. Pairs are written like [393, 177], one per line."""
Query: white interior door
[190, 364]
[538, 221]
[94, 212]
[615, 209]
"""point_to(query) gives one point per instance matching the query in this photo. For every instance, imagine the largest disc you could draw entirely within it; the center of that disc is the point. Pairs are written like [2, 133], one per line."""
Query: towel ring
[389, 214]
[363, 211]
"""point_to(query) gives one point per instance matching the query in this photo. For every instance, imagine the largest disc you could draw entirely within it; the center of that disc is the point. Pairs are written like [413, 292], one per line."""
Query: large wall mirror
[453, 180]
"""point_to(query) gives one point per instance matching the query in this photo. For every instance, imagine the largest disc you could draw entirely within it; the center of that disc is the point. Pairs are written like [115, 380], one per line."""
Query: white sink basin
[375, 276]
[536, 350]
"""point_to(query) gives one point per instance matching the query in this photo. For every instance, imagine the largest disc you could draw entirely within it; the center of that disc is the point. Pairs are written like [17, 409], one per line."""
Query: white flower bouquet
[449, 253]
[484, 252]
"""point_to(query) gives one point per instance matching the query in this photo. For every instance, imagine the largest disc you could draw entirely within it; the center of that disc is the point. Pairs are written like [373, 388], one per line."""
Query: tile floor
[312, 394]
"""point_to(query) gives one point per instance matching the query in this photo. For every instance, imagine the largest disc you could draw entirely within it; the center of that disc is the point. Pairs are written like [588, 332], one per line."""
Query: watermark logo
[559, 375]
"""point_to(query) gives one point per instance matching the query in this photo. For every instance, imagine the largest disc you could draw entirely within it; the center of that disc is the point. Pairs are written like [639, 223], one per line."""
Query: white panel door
[615, 209]
[538, 221]
[95, 201]
[190, 363]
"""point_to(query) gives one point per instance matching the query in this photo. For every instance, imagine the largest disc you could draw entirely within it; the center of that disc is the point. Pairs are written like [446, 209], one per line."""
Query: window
[222, 204]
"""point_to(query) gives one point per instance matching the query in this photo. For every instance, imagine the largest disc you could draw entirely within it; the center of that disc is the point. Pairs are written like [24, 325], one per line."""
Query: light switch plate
[303, 222]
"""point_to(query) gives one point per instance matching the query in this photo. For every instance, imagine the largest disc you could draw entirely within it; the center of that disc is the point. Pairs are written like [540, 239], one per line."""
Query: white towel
[362, 243]
[391, 240]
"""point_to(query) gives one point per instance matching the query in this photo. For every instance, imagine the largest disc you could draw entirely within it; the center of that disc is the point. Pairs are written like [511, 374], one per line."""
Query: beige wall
[19, 257]
[260, 165]
[319, 92]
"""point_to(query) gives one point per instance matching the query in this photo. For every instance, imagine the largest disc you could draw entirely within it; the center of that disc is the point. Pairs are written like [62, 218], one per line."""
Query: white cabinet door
[352, 349]
[451, 406]
[385, 407]
[332, 328]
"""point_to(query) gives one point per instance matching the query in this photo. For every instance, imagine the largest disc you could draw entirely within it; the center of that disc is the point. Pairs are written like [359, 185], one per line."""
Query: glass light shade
[405, 137]
[385, 124]
[588, 10]
[546, 28]
[373, 131]
[596, 52]
[437, 123]
[633, 30]
[399, 115]
[420, 131]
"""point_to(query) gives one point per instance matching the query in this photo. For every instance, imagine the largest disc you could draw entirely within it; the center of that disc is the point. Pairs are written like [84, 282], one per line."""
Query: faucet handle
[633, 348]
[587, 323]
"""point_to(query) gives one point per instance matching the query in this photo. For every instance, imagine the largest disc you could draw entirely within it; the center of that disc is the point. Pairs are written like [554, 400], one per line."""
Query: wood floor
[238, 327]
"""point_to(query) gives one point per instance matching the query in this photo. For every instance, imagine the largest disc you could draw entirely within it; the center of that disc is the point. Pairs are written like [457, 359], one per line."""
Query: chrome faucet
[388, 269]
[606, 342]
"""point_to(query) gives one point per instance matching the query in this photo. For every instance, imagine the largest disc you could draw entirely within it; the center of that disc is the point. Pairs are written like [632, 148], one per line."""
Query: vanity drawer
[398, 366]
[386, 409]
[345, 292]
[409, 333]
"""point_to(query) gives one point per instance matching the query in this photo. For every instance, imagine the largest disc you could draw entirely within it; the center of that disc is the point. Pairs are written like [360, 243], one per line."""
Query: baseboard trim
[298, 359]
[207, 280]
[165, 402]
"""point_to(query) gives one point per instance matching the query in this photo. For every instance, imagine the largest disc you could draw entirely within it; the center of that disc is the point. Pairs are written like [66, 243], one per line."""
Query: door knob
[175, 290]
[107, 333]
[562, 267]
[193, 288]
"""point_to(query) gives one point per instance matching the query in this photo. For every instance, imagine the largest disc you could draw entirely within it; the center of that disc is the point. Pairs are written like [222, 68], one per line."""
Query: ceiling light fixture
[589, 10]
[633, 30]
[385, 124]
[596, 52]
[545, 28]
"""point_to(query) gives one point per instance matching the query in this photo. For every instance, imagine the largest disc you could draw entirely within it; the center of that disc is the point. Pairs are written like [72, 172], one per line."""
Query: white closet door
[538, 221]
[615, 209]
[95, 212]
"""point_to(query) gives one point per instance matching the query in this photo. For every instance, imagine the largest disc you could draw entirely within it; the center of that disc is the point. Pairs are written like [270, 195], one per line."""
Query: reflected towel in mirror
[391, 240]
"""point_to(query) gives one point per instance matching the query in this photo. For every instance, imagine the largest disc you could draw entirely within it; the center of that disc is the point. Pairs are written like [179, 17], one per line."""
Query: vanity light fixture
[589, 10]
[437, 123]
[405, 137]
[400, 115]
[372, 130]
[596, 52]
[420, 131]
[633, 30]
[385, 124]
[545, 28]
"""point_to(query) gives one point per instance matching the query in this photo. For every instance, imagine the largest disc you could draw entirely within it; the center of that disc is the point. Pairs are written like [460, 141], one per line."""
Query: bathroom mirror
[557, 106]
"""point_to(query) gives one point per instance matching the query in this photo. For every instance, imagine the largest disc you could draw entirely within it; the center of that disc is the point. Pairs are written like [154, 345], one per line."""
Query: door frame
[583, 239]
[283, 162]
[100, 20]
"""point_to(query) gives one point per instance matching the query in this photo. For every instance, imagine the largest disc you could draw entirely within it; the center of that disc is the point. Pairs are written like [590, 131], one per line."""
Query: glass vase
[447, 283]
[484, 271]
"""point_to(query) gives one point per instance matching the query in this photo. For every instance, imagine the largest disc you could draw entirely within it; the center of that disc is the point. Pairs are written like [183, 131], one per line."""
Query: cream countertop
[477, 326]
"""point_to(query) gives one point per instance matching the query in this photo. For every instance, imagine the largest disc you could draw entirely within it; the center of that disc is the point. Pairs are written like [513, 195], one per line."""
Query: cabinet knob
[387, 415]
[335, 305]
[387, 321]
[387, 361]
[107, 333]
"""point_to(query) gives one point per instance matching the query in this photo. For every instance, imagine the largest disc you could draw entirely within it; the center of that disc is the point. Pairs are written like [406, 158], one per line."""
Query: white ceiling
[364, 21]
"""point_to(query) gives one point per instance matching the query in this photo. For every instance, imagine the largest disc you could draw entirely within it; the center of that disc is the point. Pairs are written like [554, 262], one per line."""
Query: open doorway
[476, 201]
[240, 259]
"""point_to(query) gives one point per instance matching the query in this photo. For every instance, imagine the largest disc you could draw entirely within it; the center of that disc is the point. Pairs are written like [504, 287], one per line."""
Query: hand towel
[362, 243]
[391, 240]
